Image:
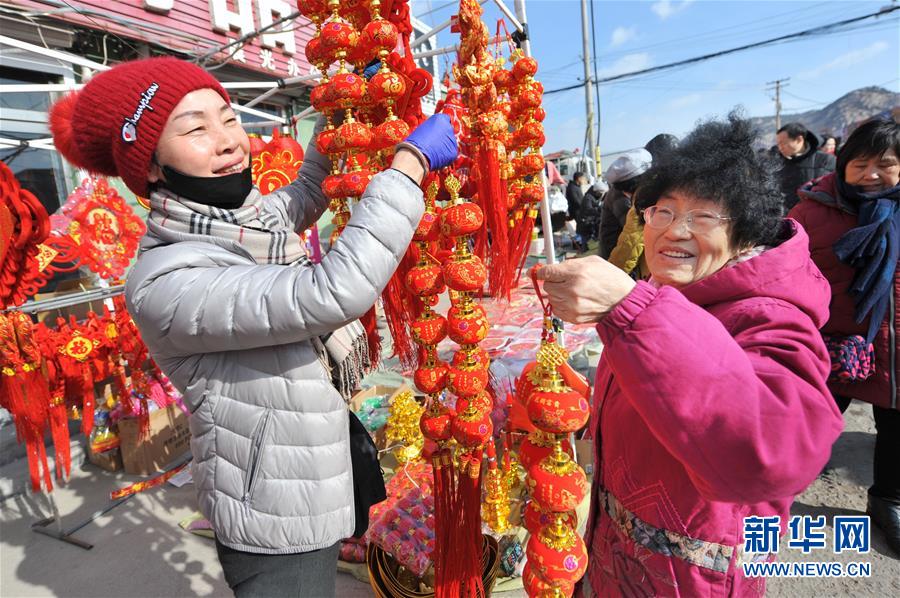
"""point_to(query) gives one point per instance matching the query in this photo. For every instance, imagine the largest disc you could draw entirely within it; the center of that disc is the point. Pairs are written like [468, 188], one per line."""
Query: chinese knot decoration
[105, 228]
[557, 555]
[24, 226]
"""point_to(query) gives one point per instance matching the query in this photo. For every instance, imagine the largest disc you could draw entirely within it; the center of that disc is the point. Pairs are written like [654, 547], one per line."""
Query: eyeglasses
[697, 221]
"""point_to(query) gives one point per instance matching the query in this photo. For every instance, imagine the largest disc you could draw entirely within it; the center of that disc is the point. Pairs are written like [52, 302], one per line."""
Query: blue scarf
[872, 249]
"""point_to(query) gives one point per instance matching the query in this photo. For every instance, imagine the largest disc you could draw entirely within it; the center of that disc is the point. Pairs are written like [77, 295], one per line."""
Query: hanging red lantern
[353, 136]
[472, 427]
[437, 422]
[467, 324]
[386, 86]
[535, 586]
[429, 330]
[338, 38]
[429, 227]
[425, 279]
[532, 193]
[354, 183]
[467, 380]
[380, 36]
[465, 275]
[536, 447]
[558, 555]
[461, 219]
[431, 378]
[502, 80]
[331, 186]
[560, 410]
[524, 67]
[557, 482]
[390, 133]
[347, 89]
[477, 354]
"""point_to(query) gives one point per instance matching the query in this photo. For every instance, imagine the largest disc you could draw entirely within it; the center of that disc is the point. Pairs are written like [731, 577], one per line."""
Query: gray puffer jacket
[269, 433]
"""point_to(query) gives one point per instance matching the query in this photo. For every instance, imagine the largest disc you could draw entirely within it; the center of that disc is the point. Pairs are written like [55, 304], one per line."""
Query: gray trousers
[300, 575]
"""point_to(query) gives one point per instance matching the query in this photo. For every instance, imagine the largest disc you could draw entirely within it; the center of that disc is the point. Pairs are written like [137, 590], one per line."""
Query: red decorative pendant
[558, 556]
[431, 378]
[472, 427]
[430, 330]
[354, 183]
[390, 133]
[353, 136]
[347, 89]
[386, 85]
[560, 412]
[558, 485]
[437, 423]
[424, 280]
[466, 381]
[467, 326]
[535, 586]
[428, 229]
[461, 219]
[477, 354]
[465, 275]
[525, 67]
[536, 447]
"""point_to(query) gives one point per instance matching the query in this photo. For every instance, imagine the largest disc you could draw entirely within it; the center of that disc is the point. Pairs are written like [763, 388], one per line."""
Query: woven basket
[383, 570]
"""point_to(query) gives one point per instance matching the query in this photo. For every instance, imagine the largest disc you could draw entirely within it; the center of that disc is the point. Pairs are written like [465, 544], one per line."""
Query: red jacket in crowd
[826, 216]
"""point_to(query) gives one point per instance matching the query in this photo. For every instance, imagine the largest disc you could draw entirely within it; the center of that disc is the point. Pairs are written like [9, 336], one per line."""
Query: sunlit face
[789, 146]
[875, 173]
[675, 255]
[202, 138]
[829, 146]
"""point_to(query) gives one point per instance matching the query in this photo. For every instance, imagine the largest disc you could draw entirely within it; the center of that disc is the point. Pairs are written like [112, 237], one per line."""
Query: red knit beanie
[113, 124]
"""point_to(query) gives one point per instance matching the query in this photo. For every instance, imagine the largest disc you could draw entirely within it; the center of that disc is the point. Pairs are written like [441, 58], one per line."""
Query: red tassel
[59, 431]
[87, 400]
[398, 303]
[492, 197]
[369, 320]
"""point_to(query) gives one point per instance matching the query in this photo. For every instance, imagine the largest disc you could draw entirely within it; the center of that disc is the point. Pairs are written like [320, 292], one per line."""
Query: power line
[820, 30]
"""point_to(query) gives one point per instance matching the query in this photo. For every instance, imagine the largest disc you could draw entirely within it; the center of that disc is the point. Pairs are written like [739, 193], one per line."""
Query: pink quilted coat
[710, 406]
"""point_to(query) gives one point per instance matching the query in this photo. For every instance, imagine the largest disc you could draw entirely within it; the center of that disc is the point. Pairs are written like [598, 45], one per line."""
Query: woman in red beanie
[254, 335]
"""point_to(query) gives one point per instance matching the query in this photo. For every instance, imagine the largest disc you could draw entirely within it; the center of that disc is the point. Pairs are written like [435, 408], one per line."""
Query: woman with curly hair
[711, 401]
[853, 219]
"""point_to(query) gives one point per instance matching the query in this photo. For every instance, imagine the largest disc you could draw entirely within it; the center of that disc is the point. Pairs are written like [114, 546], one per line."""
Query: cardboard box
[109, 460]
[169, 438]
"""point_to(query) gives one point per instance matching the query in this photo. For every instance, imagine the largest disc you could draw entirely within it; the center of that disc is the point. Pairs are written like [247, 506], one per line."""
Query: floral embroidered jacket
[710, 406]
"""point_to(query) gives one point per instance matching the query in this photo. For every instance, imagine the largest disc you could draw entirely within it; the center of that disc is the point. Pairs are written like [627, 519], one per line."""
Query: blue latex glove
[436, 140]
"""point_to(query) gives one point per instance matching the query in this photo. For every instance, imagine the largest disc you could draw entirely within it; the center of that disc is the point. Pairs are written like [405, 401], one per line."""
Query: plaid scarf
[345, 351]
[255, 229]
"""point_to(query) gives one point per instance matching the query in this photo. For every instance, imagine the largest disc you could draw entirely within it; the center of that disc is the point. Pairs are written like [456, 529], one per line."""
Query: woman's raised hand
[584, 290]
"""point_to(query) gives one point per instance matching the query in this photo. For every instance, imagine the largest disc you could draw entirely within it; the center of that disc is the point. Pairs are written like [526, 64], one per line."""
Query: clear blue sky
[636, 34]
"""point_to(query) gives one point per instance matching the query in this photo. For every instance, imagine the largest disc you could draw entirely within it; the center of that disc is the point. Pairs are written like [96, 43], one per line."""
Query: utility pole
[588, 85]
[778, 85]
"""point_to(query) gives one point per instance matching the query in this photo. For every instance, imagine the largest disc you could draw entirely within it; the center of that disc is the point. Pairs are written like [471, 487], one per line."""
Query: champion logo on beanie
[129, 128]
[113, 125]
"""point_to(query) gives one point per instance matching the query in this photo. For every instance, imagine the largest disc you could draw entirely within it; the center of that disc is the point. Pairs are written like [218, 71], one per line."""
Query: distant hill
[837, 117]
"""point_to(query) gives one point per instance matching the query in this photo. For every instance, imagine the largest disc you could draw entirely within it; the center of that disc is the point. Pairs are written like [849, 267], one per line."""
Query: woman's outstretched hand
[583, 291]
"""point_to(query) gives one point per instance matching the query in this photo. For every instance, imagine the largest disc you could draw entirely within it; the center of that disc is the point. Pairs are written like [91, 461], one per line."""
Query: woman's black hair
[717, 162]
[872, 138]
